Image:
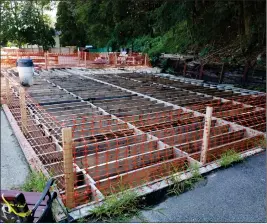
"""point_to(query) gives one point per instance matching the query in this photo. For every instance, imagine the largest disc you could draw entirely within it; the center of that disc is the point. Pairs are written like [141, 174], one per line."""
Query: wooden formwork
[224, 108]
[121, 126]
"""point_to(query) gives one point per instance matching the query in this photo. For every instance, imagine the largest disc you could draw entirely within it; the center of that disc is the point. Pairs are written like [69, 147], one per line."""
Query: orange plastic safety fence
[121, 140]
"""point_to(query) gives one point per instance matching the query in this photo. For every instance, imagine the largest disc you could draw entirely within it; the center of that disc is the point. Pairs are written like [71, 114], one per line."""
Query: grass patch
[82, 220]
[230, 157]
[117, 208]
[262, 143]
[35, 182]
[180, 186]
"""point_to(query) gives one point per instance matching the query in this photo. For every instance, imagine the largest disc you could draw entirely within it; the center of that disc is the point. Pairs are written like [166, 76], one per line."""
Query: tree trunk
[246, 19]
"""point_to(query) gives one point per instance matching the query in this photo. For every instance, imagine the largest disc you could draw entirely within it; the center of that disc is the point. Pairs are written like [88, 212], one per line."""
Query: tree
[25, 22]
[72, 33]
[156, 26]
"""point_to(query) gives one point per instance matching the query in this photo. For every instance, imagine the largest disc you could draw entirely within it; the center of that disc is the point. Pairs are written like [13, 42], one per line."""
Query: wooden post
[221, 74]
[68, 166]
[245, 75]
[145, 59]
[206, 135]
[201, 71]
[116, 59]
[7, 92]
[46, 61]
[78, 56]
[23, 110]
[108, 58]
[184, 72]
[85, 53]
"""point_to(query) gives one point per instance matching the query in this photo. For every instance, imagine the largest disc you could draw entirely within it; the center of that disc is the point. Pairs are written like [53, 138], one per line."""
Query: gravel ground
[14, 167]
[236, 194]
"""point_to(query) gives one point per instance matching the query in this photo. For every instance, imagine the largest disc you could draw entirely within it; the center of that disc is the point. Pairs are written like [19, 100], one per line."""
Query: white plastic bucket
[26, 70]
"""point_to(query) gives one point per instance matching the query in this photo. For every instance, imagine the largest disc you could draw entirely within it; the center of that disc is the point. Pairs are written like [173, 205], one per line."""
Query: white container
[26, 70]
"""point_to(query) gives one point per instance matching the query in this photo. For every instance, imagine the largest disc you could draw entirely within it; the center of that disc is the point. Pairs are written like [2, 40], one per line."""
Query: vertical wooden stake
[68, 166]
[116, 59]
[108, 58]
[23, 110]
[7, 92]
[46, 61]
[201, 71]
[85, 53]
[184, 72]
[221, 74]
[206, 135]
[78, 56]
[145, 58]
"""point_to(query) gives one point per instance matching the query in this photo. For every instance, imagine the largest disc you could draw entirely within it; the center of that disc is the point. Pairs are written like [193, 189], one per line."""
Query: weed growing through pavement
[122, 206]
[262, 143]
[82, 220]
[230, 157]
[117, 208]
[35, 182]
[178, 186]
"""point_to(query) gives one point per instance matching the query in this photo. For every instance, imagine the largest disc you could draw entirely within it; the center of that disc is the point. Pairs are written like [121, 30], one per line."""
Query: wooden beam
[193, 135]
[46, 60]
[78, 56]
[222, 74]
[206, 135]
[118, 153]
[7, 91]
[238, 146]
[23, 110]
[116, 58]
[142, 175]
[85, 53]
[68, 166]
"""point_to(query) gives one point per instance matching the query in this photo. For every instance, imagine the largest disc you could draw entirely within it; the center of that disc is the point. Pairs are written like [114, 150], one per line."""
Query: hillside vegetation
[234, 28]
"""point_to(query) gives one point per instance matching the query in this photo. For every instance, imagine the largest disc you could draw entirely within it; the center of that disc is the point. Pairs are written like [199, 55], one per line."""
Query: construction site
[99, 127]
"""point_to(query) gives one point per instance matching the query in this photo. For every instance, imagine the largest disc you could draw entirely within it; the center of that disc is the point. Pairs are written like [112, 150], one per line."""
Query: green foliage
[35, 182]
[117, 208]
[179, 186]
[262, 143]
[25, 23]
[204, 52]
[170, 71]
[82, 220]
[162, 26]
[230, 157]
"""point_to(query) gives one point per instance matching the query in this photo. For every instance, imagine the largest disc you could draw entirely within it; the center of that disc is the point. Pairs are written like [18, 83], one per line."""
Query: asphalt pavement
[14, 167]
[235, 194]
